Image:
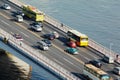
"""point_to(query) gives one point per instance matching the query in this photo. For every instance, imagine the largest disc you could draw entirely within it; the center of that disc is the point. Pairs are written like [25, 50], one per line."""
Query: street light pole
[110, 48]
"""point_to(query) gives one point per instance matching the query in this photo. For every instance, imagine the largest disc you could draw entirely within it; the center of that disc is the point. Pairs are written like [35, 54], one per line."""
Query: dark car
[49, 36]
[48, 42]
[117, 79]
[96, 63]
[20, 13]
[52, 36]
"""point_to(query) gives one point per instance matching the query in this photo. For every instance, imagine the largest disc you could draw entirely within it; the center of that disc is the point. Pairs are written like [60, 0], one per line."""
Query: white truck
[108, 59]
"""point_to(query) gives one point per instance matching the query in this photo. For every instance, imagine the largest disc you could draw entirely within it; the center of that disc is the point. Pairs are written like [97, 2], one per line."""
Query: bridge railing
[57, 23]
[92, 43]
[36, 55]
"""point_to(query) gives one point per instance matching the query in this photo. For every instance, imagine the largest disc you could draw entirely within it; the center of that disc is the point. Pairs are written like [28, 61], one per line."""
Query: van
[108, 59]
[42, 45]
[116, 70]
[96, 63]
[19, 18]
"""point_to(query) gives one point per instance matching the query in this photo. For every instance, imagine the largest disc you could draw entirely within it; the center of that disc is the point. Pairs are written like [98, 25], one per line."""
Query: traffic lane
[12, 12]
[12, 28]
[64, 61]
[72, 66]
[14, 7]
[20, 30]
[88, 55]
[45, 29]
[17, 28]
[84, 54]
[60, 42]
[66, 64]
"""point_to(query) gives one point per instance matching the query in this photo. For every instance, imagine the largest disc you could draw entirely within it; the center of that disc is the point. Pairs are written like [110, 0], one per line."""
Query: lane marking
[87, 58]
[4, 16]
[24, 34]
[41, 38]
[4, 22]
[58, 61]
[68, 61]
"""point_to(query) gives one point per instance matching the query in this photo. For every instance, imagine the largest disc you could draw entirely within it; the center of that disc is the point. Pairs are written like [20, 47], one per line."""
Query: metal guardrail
[92, 43]
[65, 28]
[37, 55]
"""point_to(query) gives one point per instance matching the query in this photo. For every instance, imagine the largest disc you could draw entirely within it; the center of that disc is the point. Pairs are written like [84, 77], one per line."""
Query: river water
[99, 19]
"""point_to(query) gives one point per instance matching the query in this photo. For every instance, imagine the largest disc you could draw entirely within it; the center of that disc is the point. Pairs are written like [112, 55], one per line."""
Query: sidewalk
[17, 2]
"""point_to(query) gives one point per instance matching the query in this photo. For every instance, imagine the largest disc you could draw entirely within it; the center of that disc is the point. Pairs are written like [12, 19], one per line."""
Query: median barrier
[105, 51]
[22, 47]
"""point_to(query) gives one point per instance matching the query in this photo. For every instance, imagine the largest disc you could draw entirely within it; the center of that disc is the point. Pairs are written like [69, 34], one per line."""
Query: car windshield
[18, 36]
[37, 23]
[74, 49]
[47, 41]
[37, 26]
[6, 5]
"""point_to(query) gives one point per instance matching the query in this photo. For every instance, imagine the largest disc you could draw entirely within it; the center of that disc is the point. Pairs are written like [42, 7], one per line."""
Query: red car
[18, 36]
[71, 44]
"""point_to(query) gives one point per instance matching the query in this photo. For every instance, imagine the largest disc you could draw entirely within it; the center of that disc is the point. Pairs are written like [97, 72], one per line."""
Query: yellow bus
[95, 73]
[33, 13]
[79, 38]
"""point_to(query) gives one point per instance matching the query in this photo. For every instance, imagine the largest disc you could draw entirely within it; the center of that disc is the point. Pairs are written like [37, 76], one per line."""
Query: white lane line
[58, 61]
[87, 58]
[25, 34]
[5, 22]
[68, 61]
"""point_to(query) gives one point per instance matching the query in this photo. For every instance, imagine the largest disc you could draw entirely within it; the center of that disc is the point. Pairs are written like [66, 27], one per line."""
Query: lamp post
[110, 47]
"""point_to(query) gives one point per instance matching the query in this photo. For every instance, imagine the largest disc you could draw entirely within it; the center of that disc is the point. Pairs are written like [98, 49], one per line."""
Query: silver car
[36, 26]
[42, 45]
[6, 6]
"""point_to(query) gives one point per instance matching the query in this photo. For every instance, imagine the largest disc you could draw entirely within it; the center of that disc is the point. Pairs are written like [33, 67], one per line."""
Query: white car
[56, 34]
[36, 26]
[6, 6]
[19, 18]
[42, 45]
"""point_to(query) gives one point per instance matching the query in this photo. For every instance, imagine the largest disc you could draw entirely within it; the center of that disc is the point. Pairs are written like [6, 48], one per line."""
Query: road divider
[27, 50]
[93, 44]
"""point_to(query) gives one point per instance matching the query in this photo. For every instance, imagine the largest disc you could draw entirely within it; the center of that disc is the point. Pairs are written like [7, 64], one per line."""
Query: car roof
[6, 4]
[73, 49]
[19, 16]
[117, 68]
[42, 42]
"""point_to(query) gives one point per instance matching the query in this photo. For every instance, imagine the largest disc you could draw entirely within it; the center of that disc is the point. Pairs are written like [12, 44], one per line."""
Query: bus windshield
[105, 77]
[84, 39]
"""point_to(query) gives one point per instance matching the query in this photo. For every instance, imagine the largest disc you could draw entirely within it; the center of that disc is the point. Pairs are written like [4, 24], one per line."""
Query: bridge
[69, 66]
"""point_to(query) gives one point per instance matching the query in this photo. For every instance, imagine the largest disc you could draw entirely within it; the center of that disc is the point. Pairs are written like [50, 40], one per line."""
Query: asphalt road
[73, 63]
